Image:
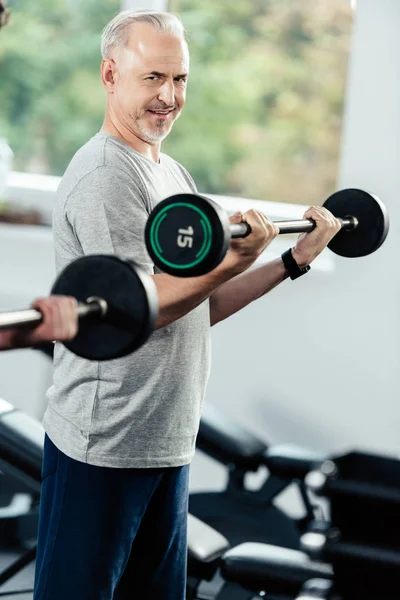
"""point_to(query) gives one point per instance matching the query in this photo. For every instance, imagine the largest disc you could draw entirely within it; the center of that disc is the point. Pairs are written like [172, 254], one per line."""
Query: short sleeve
[108, 213]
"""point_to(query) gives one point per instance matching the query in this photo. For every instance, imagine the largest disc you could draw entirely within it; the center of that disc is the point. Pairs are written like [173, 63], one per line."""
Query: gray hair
[116, 33]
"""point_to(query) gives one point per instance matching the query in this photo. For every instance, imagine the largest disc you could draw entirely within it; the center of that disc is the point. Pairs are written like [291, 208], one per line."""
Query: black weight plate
[373, 222]
[187, 235]
[132, 305]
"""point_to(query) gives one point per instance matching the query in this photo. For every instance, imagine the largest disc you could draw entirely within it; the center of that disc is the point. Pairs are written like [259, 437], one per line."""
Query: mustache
[162, 107]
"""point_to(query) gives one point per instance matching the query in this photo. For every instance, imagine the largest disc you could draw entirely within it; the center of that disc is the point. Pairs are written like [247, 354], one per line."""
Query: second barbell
[117, 306]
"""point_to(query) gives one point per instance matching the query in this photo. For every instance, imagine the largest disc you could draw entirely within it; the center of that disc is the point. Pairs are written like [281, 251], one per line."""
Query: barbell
[117, 306]
[188, 235]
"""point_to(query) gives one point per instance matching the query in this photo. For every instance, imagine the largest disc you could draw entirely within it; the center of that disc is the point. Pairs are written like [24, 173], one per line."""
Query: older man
[121, 434]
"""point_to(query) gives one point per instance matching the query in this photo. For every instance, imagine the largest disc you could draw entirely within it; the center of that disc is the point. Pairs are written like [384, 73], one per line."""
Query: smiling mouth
[162, 113]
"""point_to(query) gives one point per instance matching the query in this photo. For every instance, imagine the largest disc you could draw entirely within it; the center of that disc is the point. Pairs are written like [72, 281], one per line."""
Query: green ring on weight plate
[207, 230]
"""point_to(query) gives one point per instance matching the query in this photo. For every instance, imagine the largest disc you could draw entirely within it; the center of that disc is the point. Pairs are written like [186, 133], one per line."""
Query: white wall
[316, 361]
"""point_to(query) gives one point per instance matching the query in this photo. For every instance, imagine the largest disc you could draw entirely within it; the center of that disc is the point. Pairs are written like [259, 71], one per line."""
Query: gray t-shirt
[142, 410]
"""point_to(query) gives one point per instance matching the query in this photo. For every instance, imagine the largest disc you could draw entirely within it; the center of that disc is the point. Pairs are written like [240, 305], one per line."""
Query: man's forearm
[178, 296]
[240, 291]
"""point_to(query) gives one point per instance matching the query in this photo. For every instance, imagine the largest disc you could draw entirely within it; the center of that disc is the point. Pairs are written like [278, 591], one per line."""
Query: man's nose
[167, 93]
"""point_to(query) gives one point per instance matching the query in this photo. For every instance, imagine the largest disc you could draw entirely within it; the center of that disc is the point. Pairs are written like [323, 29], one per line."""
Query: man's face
[149, 82]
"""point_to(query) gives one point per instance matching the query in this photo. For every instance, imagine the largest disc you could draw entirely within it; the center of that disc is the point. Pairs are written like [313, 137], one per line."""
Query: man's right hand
[60, 322]
[243, 252]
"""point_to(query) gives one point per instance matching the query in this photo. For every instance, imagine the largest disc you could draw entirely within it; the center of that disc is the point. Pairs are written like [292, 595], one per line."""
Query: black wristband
[291, 265]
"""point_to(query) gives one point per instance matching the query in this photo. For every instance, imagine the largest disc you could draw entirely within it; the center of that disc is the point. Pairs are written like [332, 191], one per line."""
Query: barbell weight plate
[187, 235]
[132, 305]
[372, 217]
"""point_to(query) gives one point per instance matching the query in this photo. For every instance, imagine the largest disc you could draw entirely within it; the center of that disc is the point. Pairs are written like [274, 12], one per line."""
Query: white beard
[156, 134]
[153, 135]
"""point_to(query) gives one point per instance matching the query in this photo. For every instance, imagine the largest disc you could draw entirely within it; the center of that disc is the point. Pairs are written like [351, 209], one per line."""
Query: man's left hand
[310, 244]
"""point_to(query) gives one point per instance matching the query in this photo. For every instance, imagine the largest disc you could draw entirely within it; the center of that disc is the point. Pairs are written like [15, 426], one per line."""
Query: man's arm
[247, 287]
[244, 289]
[177, 297]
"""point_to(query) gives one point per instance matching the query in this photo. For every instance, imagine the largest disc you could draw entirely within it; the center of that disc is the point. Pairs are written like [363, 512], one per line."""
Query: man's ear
[108, 72]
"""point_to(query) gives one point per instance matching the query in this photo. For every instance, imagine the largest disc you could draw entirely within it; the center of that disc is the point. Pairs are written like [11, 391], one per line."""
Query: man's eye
[152, 77]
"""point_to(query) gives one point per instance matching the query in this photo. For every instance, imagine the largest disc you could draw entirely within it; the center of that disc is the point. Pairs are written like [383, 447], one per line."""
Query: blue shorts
[110, 534]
